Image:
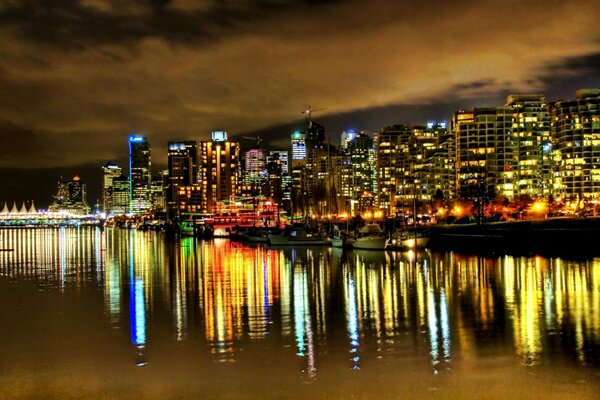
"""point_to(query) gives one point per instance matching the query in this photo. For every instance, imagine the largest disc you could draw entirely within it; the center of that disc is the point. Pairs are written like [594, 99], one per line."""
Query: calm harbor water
[126, 314]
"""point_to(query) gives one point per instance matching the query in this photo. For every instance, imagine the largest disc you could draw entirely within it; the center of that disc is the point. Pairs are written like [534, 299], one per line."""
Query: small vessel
[298, 235]
[261, 234]
[341, 239]
[370, 237]
[404, 239]
[185, 228]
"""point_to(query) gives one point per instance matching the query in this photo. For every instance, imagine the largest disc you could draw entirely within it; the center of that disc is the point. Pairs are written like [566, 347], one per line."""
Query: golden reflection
[227, 293]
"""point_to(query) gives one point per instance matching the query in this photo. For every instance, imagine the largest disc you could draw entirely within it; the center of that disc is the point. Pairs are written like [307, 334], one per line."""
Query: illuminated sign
[136, 139]
[297, 135]
[176, 146]
[219, 136]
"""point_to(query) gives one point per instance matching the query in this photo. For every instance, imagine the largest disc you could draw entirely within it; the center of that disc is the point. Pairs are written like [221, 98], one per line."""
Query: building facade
[576, 146]
[110, 171]
[219, 170]
[139, 174]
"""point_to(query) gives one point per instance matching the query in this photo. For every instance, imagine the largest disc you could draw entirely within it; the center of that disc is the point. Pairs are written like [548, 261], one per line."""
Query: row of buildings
[526, 148]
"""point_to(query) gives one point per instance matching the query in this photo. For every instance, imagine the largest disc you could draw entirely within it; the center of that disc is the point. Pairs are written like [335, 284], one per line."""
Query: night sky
[78, 76]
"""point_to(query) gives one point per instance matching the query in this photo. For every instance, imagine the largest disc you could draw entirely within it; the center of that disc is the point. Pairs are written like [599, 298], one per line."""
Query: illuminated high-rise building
[283, 156]
[500, 150]
[254, 168]
[219, 169]
[413, 163]
[298, 148]
[530, 120]
[182, 161]
[278, 173]
[120, 195]
[357, 173]
[139, 174]
[71, 197]
[576, 141]
[158, 191]
[110, 171]
[389, 160]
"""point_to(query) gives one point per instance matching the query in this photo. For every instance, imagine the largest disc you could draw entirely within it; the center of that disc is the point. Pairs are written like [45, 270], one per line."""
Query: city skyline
[78, 76]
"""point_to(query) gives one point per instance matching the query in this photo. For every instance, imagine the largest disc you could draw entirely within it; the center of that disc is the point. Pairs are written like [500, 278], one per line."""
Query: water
[124, 314]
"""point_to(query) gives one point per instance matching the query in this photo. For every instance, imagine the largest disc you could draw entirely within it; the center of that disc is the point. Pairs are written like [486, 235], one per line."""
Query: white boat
[370, 237]
[298, 236]
[408, 240]
[341, 239]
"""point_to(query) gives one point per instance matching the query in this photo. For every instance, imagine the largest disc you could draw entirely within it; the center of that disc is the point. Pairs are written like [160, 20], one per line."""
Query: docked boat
[298, 235]
[185, 228]
[341, 239]
[370, 237]
[408, 240]
[261, 234]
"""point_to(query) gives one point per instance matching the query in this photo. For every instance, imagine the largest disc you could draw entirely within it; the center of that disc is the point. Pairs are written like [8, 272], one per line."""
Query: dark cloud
[77, 77]
[77, 24]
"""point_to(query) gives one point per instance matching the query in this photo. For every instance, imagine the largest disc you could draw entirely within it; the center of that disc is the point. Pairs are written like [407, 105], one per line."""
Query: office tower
[158, 191]
[298, 148]
[139, 174]
[109, 172]
[278, 169]
[389, 160]
[182, 160]
[219, 170]
[576, 145]
[120, 195]
[356, 174]
[413, 163]
[283, 157]
[347, 137]
[274, 169]
[71, 197]
[254, 168]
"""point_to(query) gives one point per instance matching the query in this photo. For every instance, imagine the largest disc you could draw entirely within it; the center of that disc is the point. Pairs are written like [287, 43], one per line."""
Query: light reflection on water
[446, 308]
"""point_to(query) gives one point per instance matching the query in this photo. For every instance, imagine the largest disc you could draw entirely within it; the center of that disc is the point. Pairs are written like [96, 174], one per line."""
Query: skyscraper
[110, 171]
[357, 172]
[182, 159]
[219, 169]
[71, 197]
[254, 167]
[139, 174]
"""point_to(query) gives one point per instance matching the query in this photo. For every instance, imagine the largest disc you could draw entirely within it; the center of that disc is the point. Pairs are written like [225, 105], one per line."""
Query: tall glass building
[139, 174]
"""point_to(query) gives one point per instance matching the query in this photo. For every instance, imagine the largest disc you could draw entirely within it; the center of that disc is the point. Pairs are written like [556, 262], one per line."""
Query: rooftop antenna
[258, 140]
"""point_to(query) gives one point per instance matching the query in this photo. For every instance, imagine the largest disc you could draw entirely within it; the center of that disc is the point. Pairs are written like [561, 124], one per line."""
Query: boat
[185, 228]
[261, 234]
[298, 235]
[404, 239]
[370, 237]
[340, 238]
